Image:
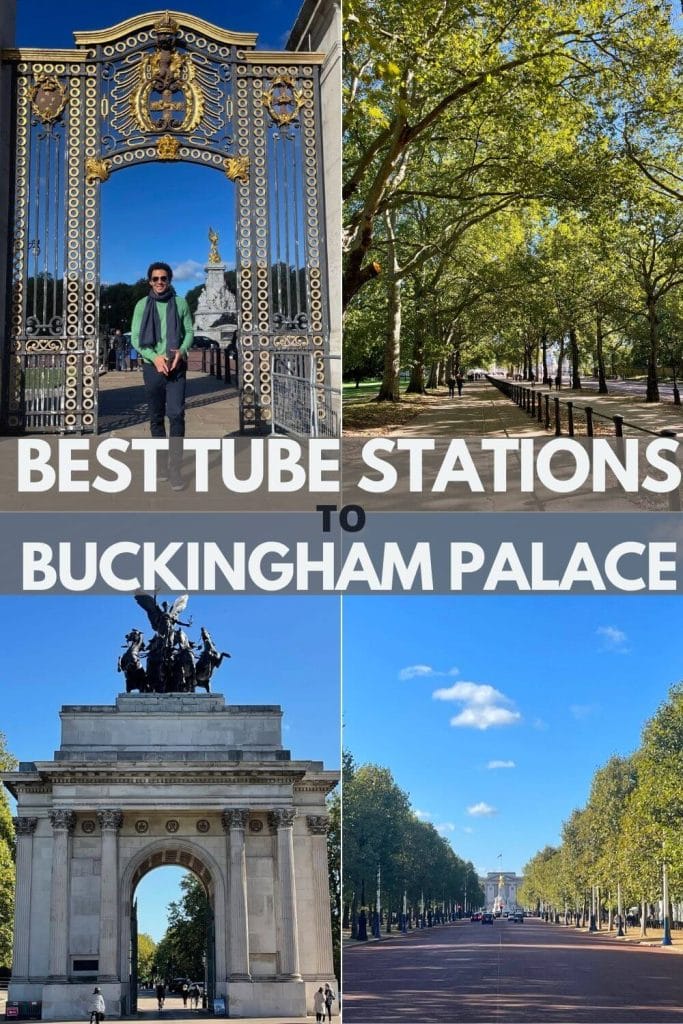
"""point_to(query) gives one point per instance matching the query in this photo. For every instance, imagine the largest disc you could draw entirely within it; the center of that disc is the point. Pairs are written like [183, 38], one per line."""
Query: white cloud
[582, 711]
[416, 672]
[424, 672]
[481, 705]
[445, 827]
[500, 764]
[613, 639]
[422, 815]
[468, 830]
[481, 810]
[189, 270]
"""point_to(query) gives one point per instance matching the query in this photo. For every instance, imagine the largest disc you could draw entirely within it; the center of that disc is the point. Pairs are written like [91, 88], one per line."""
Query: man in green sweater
[162, 334]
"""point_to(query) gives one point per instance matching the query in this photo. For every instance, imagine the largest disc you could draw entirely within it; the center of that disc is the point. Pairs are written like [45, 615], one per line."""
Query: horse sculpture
[171, 665]
[208, 661]
[129, 663]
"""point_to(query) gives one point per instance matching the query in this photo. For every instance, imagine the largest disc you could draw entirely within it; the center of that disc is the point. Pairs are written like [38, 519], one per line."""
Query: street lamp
[666, 933]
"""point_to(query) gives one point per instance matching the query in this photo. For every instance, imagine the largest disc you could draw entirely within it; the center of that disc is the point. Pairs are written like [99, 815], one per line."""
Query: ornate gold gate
[163, 87]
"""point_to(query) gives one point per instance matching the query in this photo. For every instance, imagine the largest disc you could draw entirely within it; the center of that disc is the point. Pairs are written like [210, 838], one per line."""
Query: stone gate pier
[181, 779]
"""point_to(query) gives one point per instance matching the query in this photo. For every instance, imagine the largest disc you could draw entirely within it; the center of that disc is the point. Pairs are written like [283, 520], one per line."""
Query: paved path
[147, 1011]
[511, 974]
[483, 410]
[212, 408]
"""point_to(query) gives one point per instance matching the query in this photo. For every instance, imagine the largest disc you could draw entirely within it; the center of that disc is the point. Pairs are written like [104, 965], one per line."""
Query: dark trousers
[165, 397]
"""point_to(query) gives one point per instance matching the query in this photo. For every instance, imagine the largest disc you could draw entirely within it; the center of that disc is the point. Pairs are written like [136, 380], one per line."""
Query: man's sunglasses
[159, 279]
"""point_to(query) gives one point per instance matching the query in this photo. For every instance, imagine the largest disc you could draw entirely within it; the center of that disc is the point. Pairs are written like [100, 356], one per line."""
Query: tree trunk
[544, 349]
[560, 360]
[416, 384]
[389, 388]
[434, 371]
[600, 355]
[643, 918]
[574, 351]
[652, 394]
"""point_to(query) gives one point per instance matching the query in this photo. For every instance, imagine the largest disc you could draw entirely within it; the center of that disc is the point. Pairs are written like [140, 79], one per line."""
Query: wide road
[510, 973]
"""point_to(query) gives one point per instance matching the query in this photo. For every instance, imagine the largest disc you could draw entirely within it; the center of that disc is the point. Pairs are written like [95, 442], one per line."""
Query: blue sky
[493, 713]
[64, 651]
[161, 210]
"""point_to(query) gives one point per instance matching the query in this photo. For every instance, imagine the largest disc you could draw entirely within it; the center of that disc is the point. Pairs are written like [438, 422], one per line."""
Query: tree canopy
[493, 151]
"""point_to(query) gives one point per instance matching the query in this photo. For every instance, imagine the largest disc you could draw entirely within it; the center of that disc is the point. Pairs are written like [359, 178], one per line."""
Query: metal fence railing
[566, 418]
[302, 406]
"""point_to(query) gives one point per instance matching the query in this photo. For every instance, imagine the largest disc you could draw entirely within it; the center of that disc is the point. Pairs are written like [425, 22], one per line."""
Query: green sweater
[149, 354]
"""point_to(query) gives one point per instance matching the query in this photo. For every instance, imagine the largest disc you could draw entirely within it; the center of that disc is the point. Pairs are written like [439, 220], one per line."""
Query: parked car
[517, 917]
[201, 341]
[476, 916]
[487, 918]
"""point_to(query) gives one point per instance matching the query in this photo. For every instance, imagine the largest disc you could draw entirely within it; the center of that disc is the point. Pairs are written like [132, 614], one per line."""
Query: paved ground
[212, 408]
[484, 410]
[511, 974]
[173, 1010]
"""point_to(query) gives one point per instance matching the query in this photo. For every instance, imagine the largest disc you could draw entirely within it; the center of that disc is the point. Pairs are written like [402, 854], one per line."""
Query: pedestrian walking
[319, 1004]
[96, 1006]
[459, 380]
[329, 999]
[194, 995]
[161, 994]
[120, 345]
[185, 992]
[133, 358]
[451, 387]
[162, 334]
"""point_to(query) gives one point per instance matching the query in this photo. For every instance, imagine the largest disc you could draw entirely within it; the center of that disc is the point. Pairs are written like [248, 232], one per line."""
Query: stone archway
[191, 856]
[181, 778]
[164, 87]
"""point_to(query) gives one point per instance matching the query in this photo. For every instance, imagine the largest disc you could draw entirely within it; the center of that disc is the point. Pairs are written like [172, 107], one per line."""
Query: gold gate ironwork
[163, 86]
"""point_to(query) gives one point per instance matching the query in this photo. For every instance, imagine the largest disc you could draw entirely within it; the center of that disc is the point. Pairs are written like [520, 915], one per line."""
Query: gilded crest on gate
[48, 99]
[283, 100]
[167, 96]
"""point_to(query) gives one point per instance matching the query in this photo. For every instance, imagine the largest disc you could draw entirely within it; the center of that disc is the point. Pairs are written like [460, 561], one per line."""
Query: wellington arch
[169, 87]
[171, 779]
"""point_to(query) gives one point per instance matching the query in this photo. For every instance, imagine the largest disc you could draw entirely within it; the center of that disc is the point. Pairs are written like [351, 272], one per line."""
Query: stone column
[318, 825]
[63, 823]
[24, 828]
[282, 820]
[234, 822]
[110, 822]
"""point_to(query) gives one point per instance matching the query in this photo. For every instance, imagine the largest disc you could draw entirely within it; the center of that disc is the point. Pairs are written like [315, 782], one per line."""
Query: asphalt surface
[510, 974]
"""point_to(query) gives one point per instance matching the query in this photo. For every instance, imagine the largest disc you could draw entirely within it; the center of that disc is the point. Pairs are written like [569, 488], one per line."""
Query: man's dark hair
[159, 266]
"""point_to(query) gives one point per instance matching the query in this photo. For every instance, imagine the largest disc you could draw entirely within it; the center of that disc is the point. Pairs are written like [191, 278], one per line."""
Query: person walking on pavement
[319, 1004]
[120, 350]
[161, 994]
[329, 999]
[451, 386]
[459, 382]
[185, 992]
[96, 1006]
[162, 334]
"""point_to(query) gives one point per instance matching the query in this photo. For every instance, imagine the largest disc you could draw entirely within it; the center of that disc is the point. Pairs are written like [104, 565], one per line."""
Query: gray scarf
[150, 327]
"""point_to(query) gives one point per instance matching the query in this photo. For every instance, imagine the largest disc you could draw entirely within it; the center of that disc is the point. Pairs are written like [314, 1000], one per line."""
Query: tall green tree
[7, 873]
